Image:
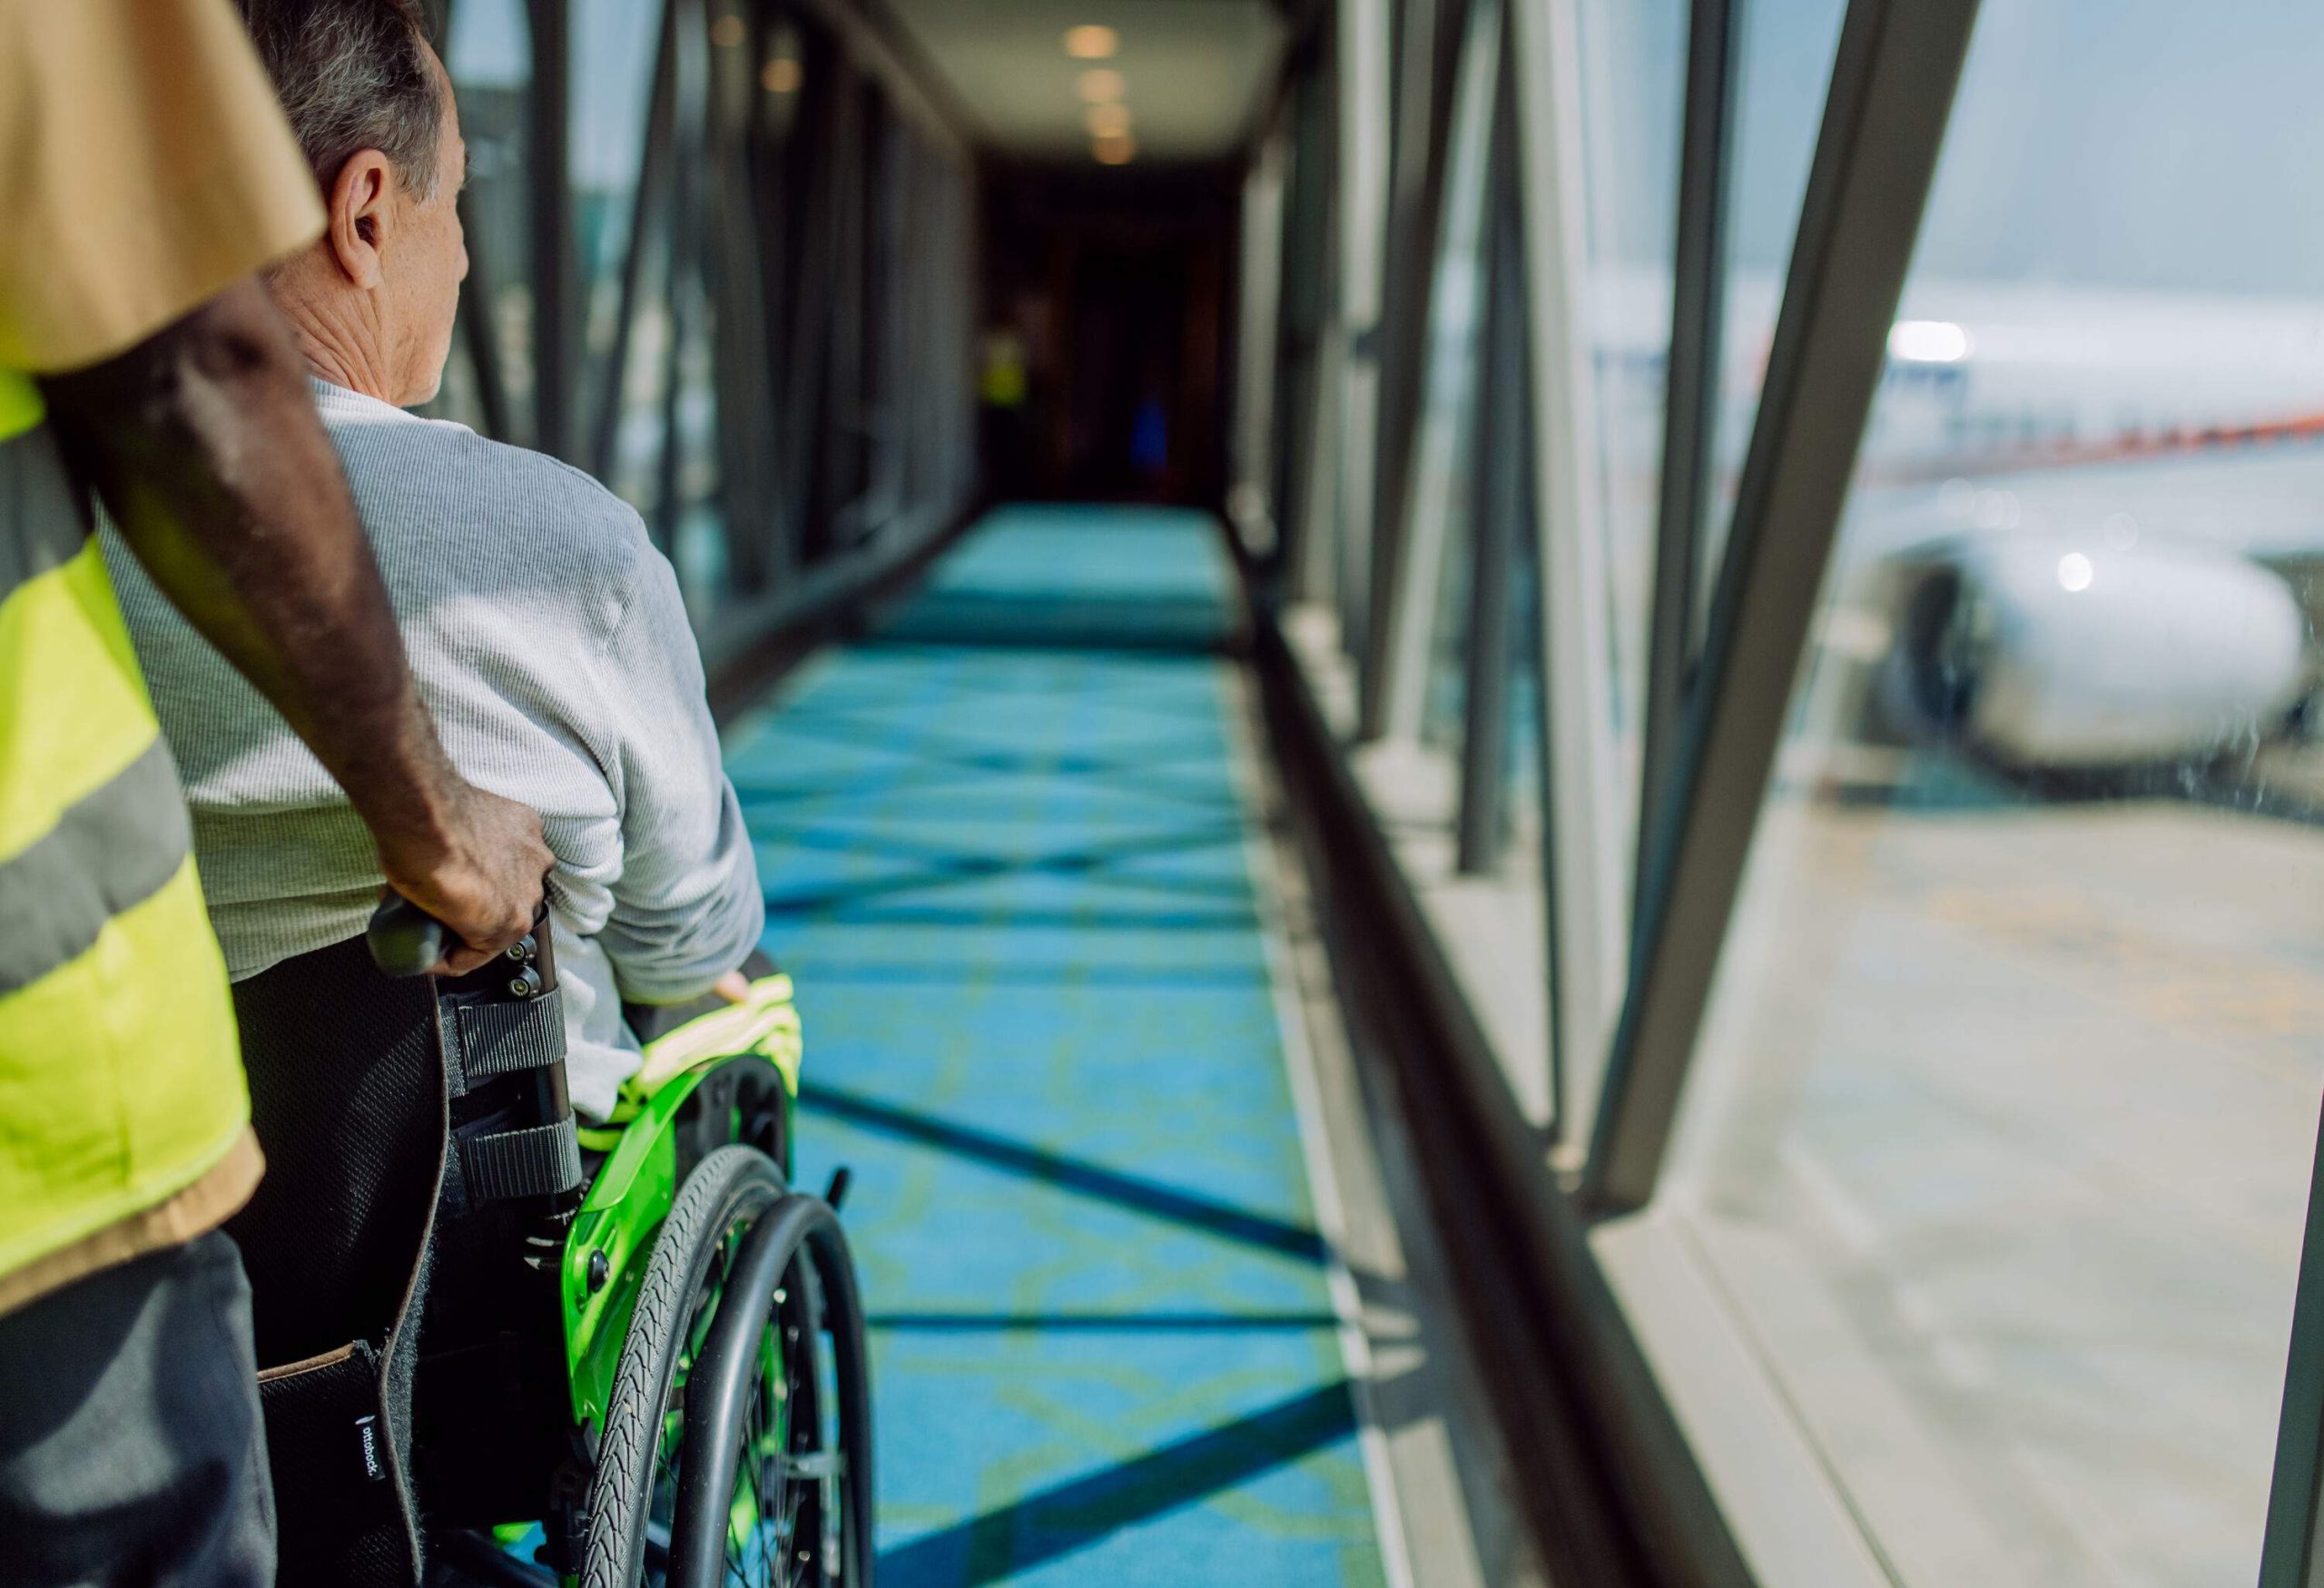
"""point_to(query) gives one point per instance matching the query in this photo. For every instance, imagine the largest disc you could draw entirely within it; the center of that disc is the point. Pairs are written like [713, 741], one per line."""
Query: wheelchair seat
[403, 1250]
[455, 1333]
[348, 1099]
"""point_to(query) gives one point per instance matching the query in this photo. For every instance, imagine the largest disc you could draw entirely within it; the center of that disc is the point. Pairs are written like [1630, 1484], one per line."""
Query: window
[1633, 54]
[489, 57]
[1443, 534]
[1784, 62]
[1999, 1137]
[614, 46]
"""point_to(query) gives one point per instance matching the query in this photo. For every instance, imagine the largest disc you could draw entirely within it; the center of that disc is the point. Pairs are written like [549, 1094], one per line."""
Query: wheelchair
[636, 1354]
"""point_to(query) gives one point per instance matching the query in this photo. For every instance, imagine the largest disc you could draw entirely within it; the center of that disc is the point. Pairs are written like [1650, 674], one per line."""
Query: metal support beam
[735, 284]
[550, 212]
[1339, 512]
[2290, 1556]
[681, 260]
[1410, 604]
[1501, 443]
[478, 334]
[1690, 411]
[1893, 83]
[1585, 821]
[822, 127]
[1315, 280]
[1258, 294]
[653, 182]
[473, 325]
[887, 322]
[839, 471]
[1428, 74]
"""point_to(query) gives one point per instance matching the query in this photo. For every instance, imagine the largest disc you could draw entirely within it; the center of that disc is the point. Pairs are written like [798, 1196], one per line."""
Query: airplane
[2088, 527]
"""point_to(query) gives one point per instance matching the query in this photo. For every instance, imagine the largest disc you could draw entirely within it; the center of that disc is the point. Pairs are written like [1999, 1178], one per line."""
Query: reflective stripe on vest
[121, 1081]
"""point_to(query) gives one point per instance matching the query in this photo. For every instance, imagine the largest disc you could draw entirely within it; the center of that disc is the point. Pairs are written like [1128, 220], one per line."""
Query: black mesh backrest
[347, 1095]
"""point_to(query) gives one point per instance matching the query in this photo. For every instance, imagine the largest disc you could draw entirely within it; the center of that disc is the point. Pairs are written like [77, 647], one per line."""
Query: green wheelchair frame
[635, 1354]
[691, 1130]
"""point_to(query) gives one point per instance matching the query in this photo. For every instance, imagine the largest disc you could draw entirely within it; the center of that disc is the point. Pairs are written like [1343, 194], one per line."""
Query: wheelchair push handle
[404, 939]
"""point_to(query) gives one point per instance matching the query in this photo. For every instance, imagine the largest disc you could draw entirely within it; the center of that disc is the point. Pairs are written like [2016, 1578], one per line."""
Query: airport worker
[145, 173]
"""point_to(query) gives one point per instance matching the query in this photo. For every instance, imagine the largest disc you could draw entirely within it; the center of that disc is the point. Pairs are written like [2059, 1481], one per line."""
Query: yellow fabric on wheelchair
[764, 1023]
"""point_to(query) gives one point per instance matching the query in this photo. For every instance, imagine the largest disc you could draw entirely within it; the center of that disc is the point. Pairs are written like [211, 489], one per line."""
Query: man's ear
[359, 215]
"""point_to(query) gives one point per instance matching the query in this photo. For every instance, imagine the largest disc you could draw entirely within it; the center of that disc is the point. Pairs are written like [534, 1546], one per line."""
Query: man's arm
[204, 443]
[687, 907]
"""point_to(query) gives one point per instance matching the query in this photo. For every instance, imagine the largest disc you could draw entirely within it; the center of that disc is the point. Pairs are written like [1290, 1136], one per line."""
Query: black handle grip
[404, 939]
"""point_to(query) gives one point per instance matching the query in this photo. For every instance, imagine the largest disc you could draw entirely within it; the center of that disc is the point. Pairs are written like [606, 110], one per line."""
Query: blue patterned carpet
[1004, 856]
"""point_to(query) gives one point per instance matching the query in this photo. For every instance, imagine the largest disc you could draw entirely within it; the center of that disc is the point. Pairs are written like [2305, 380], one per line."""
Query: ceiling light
[726, 32]
[780, 75]
[1119, 151]
[1100, 84]
[1090, 42]
[1107, 120]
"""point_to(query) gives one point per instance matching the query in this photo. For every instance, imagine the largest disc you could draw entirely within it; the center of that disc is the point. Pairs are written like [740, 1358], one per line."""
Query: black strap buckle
[538, 1161]
[502, 1038]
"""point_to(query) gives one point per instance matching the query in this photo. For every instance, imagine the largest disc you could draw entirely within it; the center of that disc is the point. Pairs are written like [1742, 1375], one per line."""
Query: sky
[2154, 144]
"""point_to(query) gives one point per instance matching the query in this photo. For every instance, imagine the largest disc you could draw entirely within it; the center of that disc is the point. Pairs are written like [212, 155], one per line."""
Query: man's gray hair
[353, 75]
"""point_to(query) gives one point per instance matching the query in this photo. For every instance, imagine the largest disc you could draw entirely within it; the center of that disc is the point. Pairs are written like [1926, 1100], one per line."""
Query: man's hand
[204, 443]
[733, 987]
[478, 867]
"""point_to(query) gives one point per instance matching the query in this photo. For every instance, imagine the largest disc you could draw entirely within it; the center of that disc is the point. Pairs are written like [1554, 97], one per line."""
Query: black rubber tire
[811, 1298]
[730, 1188]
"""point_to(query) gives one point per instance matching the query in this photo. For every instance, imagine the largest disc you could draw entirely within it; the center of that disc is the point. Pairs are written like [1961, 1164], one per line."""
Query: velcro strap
[500, 1039]
[540, 1161]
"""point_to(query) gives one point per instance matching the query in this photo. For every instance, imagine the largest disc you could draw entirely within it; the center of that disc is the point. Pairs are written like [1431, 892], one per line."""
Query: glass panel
[736, 289]
[883, 240]
[490, 60]
[1999, 1138]
[614, 48]
[638, 432]
[1350, 140]
[1444, 459]
[1633, 58]
[698, 537]
[1522, 788]
[1448, 649]
[666, 461]
[1783, 70]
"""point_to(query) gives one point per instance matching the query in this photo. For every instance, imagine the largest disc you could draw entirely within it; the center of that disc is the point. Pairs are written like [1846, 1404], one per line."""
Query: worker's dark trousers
[131, 1450]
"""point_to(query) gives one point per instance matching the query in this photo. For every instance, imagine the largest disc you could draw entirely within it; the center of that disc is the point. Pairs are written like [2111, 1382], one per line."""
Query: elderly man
[545, 632]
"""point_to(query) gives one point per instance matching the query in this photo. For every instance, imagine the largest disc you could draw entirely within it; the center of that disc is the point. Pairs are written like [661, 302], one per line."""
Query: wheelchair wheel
[634, 1491]
[721, 1461]
[774, 1476]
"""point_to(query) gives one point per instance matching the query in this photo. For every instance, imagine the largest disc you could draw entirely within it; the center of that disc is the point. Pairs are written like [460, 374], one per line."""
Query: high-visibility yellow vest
[121, 1080]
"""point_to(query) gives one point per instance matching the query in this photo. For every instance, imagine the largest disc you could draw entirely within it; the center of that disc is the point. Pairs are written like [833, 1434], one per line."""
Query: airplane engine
[2057, 654]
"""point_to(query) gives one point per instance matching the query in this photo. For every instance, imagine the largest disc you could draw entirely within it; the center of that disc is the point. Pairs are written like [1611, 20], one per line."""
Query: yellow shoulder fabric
[766, 1023]
[144, 165]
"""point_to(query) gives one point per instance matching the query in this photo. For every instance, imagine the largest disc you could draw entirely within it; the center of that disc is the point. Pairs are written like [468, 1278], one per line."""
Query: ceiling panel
[1193, 71]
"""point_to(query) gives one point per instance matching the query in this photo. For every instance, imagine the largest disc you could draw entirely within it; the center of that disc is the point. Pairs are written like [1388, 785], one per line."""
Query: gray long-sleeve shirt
[550, 643]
